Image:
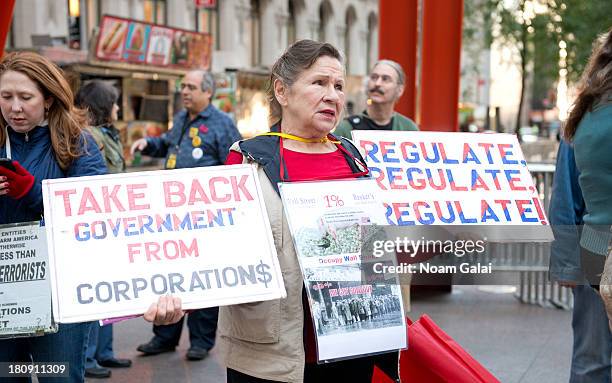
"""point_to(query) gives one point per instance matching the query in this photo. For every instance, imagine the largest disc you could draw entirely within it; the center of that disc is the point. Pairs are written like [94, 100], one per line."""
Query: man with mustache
[201, 136]
[385, 87]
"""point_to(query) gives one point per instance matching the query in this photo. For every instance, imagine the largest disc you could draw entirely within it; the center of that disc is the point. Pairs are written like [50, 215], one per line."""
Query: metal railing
[527, 263]
[534, 286]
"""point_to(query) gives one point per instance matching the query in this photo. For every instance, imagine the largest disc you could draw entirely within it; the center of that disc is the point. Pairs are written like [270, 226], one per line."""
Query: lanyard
[362, 173]
[322, 140]
[186, 123]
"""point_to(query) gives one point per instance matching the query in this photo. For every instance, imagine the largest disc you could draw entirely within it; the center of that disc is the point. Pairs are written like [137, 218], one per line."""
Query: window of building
[255, 20]
[325, 16]
[207, 21]
[351, 17]
[371, 53]
[291, 36]
[155, 11]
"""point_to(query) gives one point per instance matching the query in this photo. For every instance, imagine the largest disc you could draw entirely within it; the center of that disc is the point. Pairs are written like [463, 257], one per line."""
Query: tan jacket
[265, 339]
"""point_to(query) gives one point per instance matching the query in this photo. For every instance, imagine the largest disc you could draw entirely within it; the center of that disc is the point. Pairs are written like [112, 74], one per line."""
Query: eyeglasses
[385, 78]
[191, 87]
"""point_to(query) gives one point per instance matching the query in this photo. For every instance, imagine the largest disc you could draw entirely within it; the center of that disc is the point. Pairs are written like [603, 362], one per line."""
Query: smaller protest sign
[351, 315]
[25, 287]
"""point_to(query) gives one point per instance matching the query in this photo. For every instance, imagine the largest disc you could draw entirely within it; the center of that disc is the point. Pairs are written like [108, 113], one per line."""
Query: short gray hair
[208, 81]
[401, 76]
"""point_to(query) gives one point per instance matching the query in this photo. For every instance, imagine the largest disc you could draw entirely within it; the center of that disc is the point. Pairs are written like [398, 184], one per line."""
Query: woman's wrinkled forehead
[325, 65]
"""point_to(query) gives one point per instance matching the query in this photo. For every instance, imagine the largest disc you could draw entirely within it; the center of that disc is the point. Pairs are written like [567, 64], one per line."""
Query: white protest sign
[117, 242]
[352, 315]
[436, 178]
[25, 286]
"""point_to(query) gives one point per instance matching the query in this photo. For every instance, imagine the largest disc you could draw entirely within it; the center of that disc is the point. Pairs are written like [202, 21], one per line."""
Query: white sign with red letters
[117, 242]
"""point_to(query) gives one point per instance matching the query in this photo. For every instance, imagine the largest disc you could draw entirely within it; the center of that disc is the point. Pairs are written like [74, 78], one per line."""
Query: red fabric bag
[434, 357]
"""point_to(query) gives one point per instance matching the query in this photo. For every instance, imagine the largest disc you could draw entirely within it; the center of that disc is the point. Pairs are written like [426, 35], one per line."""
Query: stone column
[269, 32]
[359, 41]
[181, 14]
[331, 33]
[373, 46]
[302, 29]
[115, 8]
[313, 29]
[281, 26]
[234, 34]
[136, 10]
[32, 17]
[338, 39]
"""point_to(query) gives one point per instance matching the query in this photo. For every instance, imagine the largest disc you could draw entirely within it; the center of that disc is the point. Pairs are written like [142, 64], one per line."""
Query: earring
[46, 112]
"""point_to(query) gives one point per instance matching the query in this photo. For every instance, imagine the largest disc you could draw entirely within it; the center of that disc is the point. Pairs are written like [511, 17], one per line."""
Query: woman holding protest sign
[41, 137]
[589, 126]
[273, 341]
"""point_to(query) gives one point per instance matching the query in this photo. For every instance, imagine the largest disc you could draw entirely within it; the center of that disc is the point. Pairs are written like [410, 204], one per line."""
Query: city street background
[518, 343]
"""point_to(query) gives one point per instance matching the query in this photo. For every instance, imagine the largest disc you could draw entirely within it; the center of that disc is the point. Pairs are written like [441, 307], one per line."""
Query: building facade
[246, 33]
[247, 38]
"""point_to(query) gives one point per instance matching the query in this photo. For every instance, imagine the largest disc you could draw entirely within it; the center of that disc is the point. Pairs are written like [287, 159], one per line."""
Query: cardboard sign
[117, 242]
[433, 178]
[25, 285]
[351, 315]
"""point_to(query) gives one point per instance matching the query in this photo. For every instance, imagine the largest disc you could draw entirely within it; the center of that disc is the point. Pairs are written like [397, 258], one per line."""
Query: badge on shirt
[171, 162]
[203, 129]
[193, 132]
[196, 141]
[197, 153]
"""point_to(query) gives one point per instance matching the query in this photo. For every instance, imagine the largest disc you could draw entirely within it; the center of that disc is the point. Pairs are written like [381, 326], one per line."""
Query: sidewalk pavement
[518, 343]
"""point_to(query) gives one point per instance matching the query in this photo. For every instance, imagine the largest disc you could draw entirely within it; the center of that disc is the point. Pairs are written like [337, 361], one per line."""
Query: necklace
[288, 136]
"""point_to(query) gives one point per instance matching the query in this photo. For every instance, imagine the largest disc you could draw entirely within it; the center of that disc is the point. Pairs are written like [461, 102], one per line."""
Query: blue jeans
[202, 325]
[65, 346]
[100, 345]
[592, 338]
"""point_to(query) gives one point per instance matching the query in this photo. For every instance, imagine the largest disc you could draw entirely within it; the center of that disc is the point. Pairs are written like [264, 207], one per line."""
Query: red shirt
[308, 167]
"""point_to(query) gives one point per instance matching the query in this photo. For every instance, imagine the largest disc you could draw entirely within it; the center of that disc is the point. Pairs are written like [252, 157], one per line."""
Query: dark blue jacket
[216, 132]
[36, 156]
[565, 213]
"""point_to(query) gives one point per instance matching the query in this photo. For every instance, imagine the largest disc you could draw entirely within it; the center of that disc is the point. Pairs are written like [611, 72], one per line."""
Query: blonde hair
[66, 122]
